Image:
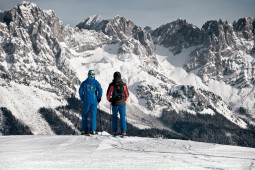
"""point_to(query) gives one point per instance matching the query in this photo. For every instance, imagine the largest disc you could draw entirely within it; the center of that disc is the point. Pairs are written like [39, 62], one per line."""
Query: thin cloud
[145, 12]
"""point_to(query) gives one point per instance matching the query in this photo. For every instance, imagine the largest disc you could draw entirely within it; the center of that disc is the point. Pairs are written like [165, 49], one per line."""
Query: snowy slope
[106, 152]
[105, 61]
[165, 77]
[24, 103]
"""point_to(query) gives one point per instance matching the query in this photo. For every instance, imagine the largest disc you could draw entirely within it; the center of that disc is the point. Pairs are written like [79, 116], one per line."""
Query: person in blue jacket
[90, 92]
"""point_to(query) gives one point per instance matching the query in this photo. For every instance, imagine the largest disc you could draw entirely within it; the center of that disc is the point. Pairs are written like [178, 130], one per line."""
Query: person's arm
[81, 91]
[99, 92]
[126, 92]
[109, 93]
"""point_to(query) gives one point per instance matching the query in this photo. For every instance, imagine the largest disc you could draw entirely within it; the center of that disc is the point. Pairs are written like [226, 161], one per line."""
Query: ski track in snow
[106, 152]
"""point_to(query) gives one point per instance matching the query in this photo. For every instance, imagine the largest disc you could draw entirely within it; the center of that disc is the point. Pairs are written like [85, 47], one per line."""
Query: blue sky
[153, 13]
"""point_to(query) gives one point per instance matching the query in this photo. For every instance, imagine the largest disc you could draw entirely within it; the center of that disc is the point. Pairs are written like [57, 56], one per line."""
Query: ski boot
[123, 134]
[83, 132]
[93, 132]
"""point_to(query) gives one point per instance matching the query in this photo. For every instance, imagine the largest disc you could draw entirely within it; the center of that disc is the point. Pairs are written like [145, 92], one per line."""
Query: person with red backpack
[90, 92]
[117, 94]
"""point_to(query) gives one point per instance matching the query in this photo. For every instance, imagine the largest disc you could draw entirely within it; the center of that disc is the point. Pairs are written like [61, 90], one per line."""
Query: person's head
[116, 75]
[91, 73]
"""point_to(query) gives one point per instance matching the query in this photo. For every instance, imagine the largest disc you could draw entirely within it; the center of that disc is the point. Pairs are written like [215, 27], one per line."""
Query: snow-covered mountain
[221, 51]
[177, 70]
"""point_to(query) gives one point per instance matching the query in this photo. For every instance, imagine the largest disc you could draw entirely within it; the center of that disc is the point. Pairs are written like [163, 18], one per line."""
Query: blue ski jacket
[90, 91]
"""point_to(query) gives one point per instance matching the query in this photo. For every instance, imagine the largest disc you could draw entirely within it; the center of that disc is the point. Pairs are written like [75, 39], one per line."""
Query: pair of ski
[121, 136]
[112, 135]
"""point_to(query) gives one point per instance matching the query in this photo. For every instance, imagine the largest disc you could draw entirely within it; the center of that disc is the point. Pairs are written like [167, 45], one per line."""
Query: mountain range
[184, 82]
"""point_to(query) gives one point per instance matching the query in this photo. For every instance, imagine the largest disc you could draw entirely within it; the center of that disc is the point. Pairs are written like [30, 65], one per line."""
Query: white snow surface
[25, 102]
[106, 152]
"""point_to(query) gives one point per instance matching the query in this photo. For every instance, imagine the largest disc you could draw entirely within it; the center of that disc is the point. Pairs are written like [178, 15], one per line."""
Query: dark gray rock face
[245, 28]
[228, 52]
[30, 50]
[221, 50]
[177, 35]
[123, 31]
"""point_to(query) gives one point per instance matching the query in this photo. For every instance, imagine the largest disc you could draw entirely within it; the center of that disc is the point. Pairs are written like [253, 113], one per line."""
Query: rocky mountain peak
[221, 50]
[245, 27]
[31, 52]
[94, 22]
[123, 31]
[215, 32]
[148, 29]
[220, 58]
[177, 35]
[24, 14]
[29, 16]
[120, 27]
[117, 27]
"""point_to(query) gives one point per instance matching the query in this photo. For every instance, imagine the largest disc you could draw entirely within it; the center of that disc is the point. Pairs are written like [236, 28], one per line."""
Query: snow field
[106, 152]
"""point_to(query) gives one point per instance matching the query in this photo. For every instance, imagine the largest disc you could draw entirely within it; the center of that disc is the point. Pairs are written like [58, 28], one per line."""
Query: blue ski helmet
[91, 73]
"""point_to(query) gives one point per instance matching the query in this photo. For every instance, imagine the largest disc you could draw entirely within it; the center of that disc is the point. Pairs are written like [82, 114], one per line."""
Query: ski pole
[100, 122]
[75, 125]
[77, 122]
[110, 117]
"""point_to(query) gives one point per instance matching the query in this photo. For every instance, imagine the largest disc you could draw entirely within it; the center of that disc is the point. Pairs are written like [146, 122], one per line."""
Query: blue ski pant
[123, 121]
[92, 110]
